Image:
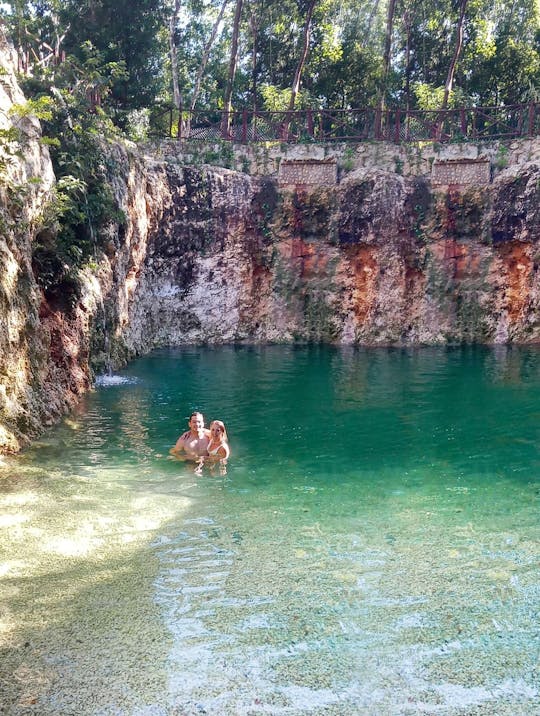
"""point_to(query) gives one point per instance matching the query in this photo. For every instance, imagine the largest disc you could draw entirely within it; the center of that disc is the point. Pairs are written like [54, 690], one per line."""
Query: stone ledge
[461, 172]
[308, 172]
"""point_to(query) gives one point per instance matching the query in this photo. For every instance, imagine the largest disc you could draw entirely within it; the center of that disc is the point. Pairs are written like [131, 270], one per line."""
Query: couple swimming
[203, 446]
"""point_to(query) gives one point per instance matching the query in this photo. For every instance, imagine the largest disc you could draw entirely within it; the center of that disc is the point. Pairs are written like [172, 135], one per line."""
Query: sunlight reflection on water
[107, 380]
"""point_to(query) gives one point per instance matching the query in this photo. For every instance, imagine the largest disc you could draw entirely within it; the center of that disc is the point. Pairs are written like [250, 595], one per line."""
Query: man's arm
[179, 447]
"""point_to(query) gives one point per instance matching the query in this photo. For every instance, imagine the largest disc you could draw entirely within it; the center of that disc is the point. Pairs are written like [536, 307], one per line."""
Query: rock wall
[379, 259]
[45, 345]
[407, 159]
[26, 179]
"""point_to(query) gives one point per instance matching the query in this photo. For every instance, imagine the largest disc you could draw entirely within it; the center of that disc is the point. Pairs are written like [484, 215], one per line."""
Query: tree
[505, 58]
[177, 95]
[284, 54]
[227, 103]
[37, 33]
[127, 32]
[455, 57]
[206, 55]
[387, 50]
[302, 60]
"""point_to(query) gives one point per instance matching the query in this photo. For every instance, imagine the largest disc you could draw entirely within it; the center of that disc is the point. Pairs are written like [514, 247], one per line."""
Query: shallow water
[373, 548]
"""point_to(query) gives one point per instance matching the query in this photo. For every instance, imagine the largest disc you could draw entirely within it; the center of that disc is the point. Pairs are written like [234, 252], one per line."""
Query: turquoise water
[373, 548]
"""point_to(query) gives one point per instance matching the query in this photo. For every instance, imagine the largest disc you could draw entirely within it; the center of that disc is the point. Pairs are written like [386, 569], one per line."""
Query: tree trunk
[452, 69]
[386, 60]
[457, 51]
[302, 61]
[226, 120]
[254, 32]
[372, 16]
[388, 41]
[407, 23]
[206, 55]
[177, 95]
[299, 68]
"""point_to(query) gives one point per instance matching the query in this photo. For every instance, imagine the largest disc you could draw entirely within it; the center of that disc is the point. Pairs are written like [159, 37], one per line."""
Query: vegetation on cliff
[77, 133]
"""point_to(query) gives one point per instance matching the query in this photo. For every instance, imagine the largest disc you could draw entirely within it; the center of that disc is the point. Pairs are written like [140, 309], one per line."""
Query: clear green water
[373, 548]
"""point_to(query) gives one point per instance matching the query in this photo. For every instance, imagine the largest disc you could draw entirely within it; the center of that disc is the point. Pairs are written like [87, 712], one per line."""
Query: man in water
[193, 445]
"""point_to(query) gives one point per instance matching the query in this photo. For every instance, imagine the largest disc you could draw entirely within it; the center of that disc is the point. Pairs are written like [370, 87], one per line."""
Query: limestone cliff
[45, 341]
[380, 259]
[26, 179]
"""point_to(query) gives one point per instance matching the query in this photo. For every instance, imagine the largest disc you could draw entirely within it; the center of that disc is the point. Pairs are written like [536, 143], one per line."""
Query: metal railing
[353, 125]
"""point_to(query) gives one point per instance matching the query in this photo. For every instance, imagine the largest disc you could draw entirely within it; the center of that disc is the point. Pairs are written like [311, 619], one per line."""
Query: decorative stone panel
[461, 172]
[309, 172]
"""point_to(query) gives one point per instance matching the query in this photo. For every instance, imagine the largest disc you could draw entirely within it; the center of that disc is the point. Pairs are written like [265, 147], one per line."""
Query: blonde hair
[221, 426]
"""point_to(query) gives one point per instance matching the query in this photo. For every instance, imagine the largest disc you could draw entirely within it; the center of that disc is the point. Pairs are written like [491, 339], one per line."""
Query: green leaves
[40, 107]
[114, 55]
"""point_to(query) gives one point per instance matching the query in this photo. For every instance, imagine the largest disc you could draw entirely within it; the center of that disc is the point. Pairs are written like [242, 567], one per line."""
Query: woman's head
[217, 430]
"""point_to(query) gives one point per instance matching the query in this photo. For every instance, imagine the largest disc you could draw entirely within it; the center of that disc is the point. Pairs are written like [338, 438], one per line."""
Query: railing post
[284, 127]
[397, 129]
[378, 118]
[244, 126]
[309, 117]
[531, 118]
[463, 122]
[225, 124]
[179, 129]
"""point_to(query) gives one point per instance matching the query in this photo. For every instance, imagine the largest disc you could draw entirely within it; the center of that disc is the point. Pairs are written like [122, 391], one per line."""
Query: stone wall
[461, 172]
[407, 159]
[307, 172]
[378, 259]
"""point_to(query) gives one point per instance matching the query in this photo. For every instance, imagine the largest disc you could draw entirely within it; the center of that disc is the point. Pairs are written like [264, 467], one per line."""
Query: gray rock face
[26, 180]
[379, 259]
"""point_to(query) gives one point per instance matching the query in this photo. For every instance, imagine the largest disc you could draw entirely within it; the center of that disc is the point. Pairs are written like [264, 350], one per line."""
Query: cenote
[373, 548]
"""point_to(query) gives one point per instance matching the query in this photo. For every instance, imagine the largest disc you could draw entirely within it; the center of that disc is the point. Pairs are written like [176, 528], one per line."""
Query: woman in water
[218, 448]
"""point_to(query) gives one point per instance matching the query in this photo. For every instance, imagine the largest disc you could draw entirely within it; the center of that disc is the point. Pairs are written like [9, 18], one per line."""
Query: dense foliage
[398, 51]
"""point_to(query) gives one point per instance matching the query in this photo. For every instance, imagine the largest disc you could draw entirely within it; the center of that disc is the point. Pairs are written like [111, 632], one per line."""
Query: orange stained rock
[258, 286]
[414, 280]
[517, 266]
[459, 260]
[298, 248]
[363, 262]
[309, 258]
[315, 263]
